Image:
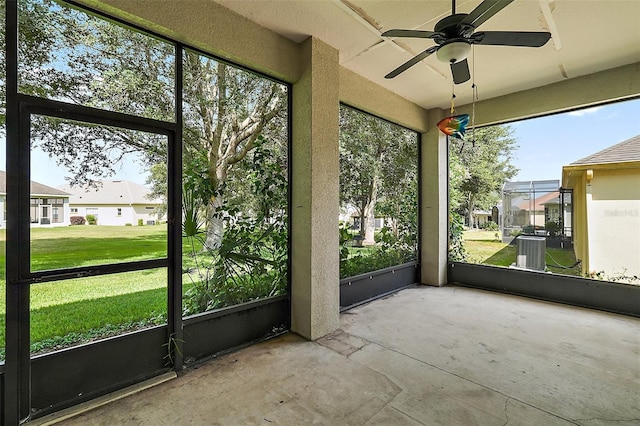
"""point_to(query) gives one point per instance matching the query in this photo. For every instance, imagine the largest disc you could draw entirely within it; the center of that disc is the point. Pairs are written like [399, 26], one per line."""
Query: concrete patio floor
[431, 356]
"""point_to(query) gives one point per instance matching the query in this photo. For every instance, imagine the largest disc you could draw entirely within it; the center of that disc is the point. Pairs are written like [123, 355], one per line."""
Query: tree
[400, 187]
[86, 60]
[226, 111]
[376, 159]
[362, 148]
[34, 39]
[479, 169]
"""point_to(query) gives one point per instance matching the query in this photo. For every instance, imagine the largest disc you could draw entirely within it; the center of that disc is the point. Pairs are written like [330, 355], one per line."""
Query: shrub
[140, 222]
[490, 226]
[379, 259]
[457, 252]
[552, 227]
[128, 224]
[531, 229]
[77, 220]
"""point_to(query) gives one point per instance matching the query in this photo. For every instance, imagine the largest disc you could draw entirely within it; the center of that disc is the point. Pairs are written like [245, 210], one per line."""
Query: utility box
[530, 252]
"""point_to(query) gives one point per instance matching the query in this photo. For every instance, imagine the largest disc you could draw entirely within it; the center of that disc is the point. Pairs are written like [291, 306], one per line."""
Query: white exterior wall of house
[481, 218]
[66, 209]
[115, 203]
[3, 209]
[109, 215]
[613, 211]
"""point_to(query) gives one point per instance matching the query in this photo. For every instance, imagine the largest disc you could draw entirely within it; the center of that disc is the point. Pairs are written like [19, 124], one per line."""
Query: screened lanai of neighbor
[251, 126]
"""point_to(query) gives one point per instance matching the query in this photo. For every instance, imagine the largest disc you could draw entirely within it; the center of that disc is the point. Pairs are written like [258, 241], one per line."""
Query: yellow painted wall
[580, 229]
[613, 211]
[606, 217]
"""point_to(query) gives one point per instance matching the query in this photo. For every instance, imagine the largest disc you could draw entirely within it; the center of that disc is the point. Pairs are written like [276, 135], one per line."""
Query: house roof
[625, 151]
[36, 188]
[539, 203]
[122, 192]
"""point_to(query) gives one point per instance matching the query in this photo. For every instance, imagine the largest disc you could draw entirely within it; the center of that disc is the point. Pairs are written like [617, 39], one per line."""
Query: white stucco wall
[108, 214]
[3, 220]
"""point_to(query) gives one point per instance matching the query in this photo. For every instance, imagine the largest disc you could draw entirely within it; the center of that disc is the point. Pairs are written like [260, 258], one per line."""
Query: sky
[548, 143]
[45, 170]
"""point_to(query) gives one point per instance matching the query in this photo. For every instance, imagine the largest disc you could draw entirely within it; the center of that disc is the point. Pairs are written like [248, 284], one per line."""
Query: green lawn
[70, 311]
[79, 310]
[67, 247]
[484, 248]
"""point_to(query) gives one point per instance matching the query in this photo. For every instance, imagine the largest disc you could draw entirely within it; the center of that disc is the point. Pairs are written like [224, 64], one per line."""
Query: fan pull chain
[453, 96]
[474, 97]
[474, 94]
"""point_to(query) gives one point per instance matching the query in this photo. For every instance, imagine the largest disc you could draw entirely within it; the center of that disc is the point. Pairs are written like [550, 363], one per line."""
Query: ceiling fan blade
[511, 38]
[411, 62]
[460, 71]
[411, 33]
[484, 11]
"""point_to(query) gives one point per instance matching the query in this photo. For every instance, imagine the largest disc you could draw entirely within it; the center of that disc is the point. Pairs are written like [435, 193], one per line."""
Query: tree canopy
[69, 55]
[378, 164]
[477, 170]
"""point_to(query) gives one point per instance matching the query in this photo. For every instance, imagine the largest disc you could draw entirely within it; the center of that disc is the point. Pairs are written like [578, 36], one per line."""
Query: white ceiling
[587, 36]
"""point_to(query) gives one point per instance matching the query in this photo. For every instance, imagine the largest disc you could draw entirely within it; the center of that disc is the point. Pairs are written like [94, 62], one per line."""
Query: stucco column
[315, 203]
[434, 203]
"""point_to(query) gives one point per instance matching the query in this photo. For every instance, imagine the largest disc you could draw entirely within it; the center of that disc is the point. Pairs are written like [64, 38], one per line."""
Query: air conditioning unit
[530, 252]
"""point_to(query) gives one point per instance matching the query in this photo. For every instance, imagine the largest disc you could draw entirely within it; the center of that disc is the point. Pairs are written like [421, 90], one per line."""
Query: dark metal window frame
[19, 275]
[354, 291]
[29, 106]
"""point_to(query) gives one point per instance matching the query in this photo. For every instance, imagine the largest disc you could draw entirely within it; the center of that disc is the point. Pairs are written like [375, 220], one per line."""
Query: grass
[484, 248]
[69, 311]
[66, 247]
[74, 311]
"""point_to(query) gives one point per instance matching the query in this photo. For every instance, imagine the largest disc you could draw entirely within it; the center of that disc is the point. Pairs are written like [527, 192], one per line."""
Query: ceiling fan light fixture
[453, 52]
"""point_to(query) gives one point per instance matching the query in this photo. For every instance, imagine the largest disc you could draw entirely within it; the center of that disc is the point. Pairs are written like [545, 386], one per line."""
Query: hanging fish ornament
[454, 126]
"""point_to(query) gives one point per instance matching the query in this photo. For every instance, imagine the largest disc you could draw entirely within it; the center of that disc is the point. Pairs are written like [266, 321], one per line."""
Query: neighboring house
[48, 207]
[541, 209]
[523, 202]
[350, 216]
[481, 218]
[558, 209]
[114, 202]
[606, 208]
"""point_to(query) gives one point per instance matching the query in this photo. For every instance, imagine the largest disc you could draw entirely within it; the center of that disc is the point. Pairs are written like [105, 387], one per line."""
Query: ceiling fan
[455, 34]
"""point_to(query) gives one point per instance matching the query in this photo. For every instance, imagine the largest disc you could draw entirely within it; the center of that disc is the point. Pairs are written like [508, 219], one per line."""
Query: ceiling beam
[571, 94]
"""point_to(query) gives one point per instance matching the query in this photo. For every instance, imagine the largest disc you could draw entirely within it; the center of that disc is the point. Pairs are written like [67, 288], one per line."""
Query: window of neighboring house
[119, 212]
[149, 208]
[74, 210]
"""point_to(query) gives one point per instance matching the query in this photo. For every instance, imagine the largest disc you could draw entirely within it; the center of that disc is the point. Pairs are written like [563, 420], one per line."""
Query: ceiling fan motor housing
[451, 27]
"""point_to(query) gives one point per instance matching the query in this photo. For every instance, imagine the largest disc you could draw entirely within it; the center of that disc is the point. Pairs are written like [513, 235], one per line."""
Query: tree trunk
[363, 215]
[370, 213]
[370, 228]
[215, 225]
[471, 206]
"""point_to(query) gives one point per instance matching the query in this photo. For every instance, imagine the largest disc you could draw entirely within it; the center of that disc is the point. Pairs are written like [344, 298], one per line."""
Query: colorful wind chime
[456, 125]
